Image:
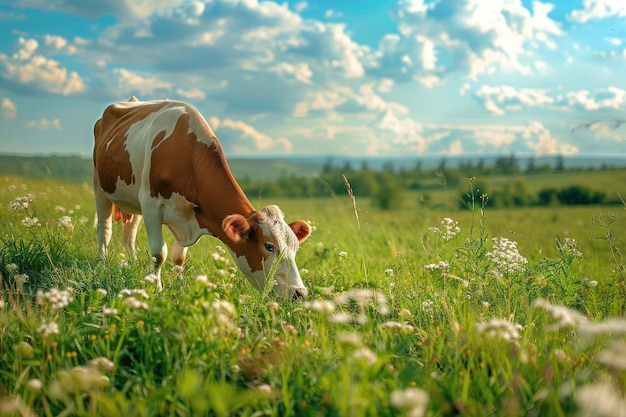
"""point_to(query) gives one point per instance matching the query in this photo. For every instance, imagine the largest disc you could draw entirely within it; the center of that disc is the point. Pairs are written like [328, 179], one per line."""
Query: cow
[161, 160]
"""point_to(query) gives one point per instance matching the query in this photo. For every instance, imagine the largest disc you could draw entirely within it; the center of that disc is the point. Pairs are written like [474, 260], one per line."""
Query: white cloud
[500, 99]
[44, 124]
[28, 68]
[261, 141]
[129, 82]
[598, 9]
[194, 93]
[300, 71]
[471, 36]
[608, 98]
[8, 109]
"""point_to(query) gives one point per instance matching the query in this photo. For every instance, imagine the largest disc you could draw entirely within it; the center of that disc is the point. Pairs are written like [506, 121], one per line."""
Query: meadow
[411, 312]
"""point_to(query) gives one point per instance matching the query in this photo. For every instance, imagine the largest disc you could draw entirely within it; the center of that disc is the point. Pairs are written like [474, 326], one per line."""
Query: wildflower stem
[358, 225]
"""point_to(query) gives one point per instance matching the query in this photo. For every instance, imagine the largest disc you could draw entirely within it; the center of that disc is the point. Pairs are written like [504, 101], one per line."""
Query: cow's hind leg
[104, 209]
[129, 234]
[158, 248]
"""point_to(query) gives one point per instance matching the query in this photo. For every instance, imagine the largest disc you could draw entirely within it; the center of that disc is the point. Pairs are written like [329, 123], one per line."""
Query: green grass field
[411, 312]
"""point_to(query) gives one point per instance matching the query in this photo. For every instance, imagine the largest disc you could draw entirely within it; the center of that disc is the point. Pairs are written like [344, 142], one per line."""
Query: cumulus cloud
[608, 98]
[598, 9]
[500, 99]
[261, 141]
[470, 36]
[25, 68]
[130, 82]
[123, 9]
[8, 109]
[533, 138]
[44, 124]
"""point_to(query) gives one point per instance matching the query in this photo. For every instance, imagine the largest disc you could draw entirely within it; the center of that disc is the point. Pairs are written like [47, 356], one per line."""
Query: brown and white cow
[160, 159]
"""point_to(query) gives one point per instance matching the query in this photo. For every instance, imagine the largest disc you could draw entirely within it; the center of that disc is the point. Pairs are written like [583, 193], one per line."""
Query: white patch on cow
[180, 217]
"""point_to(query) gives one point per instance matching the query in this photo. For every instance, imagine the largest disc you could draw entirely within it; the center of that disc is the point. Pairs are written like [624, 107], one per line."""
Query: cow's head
[265, 246]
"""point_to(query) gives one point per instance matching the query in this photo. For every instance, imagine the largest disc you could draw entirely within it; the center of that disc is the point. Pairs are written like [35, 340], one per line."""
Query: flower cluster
[506, 257]
[47, 329]
[57, 299]
[30, 222]
[442, 267]
[569, 248]
[565, 317]
[319, 306]
[447, 230]
[500, 328]
[413, 402]
[65, 221]
[20, 204]
[131, 301]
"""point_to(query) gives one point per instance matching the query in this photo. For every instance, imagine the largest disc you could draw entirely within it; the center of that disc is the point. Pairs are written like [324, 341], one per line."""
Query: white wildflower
[500, 328]
[57, 299]
[124, 263]
[413, 402]
[102, 292]
[448, 229]
[135, 291]
[151, 278]
[134, 303]
[366, 355]
[506, 257]
[30, 222]
[319, 306]
[389, 272]
[20, 279]
[83, 220]
[341, 317]
[565, 317]
[59, 208]
[442, 266]
[65, 221]
[601, 399]
[20, 204]
[427, 305]
[569, 247]
[109, 311]
[343, 255]
[592, 283]
[614, 356]
[364, 297]
[350, 339]
[34, 385]
[407, 328]
[103, 364]
[11, 267]
[48, 329]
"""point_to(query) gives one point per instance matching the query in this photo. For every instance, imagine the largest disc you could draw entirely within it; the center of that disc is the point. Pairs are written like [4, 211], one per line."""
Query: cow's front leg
[104, 209]
[158, 248]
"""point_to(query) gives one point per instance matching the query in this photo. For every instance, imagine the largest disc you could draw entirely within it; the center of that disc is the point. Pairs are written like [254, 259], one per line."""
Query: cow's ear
[301, 229]
[236, 227]
[239, 228]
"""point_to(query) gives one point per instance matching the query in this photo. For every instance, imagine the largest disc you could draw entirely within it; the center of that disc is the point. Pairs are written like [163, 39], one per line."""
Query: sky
[324, 77]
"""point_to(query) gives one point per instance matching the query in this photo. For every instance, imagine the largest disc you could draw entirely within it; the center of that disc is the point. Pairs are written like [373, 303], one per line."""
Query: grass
[406, 316]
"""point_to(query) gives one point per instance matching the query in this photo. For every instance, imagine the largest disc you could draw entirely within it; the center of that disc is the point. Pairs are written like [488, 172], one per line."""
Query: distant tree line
[387, 187]
[64, 168]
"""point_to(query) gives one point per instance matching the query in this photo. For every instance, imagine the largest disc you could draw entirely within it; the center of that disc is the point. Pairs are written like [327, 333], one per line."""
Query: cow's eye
[269, 247]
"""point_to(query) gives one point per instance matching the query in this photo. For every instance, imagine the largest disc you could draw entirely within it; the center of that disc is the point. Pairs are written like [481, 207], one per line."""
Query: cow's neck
[218, 195]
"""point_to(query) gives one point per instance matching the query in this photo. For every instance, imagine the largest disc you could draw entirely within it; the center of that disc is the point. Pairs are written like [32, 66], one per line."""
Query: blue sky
[377, 78]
